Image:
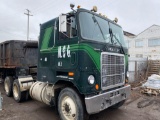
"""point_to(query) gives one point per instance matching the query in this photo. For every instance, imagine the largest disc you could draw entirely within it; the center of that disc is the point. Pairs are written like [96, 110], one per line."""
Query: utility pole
[28, 11]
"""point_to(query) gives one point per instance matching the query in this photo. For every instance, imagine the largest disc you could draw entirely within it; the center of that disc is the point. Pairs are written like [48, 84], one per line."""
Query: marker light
[115, 20]
[100, 14]
[127, 74]
[78, 6]
[71, 74]
[94, 9]
[97, 86]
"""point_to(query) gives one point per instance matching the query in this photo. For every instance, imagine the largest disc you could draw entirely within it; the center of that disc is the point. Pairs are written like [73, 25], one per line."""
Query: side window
[54, 34]
[49, 35]
[51, 41]
[71, 29]
[46, 36]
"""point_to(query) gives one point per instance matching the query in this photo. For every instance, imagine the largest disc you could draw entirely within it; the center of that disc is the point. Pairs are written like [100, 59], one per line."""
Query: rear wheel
[17, 94]
[8, 83]
[1, 80]
[70, 105]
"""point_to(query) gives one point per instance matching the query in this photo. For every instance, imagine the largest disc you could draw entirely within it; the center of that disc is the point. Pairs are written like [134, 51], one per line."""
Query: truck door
[67, 45]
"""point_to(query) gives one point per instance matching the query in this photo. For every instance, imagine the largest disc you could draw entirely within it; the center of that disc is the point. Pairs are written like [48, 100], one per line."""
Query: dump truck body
[16, 55]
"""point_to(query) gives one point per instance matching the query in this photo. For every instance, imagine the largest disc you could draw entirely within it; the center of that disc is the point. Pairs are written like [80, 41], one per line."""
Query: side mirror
[62, 23]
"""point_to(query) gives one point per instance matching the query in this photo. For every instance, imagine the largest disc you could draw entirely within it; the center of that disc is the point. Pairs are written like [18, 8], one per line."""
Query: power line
[15, 34]
[110, 3]
[12, 33]
[28, 11]
[46, 7]
[42, 5]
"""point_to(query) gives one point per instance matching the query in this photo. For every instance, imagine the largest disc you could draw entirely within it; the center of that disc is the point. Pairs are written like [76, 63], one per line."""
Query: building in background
[146, 44]
[128, 38]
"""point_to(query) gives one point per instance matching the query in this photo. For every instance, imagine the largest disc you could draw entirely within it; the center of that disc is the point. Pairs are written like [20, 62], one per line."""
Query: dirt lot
[137, 107]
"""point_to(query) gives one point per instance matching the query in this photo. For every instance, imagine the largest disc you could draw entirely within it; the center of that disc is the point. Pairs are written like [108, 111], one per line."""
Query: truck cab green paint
[61, 53]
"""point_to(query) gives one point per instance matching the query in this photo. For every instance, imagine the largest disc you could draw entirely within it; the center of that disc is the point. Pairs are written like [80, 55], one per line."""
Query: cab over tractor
[82, 66]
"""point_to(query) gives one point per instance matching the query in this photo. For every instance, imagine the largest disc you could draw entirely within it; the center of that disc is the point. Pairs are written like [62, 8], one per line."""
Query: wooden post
[135, 76]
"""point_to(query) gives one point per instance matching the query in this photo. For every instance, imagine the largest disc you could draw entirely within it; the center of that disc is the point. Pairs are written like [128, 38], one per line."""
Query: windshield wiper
[112, 35]
[94, 19]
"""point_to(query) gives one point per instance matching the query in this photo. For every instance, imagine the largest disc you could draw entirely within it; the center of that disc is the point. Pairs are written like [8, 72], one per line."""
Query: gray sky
[134, 15]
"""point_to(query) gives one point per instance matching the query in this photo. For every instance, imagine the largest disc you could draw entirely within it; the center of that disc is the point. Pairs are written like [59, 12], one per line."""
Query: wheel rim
[6, 86]
[68, 107]
[15, 91]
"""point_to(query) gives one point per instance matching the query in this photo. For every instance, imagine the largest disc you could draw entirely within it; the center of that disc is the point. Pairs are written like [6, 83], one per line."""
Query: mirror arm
[65, 34]
[74, 10]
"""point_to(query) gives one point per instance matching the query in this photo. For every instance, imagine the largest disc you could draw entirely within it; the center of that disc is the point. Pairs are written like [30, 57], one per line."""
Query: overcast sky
[134, 15]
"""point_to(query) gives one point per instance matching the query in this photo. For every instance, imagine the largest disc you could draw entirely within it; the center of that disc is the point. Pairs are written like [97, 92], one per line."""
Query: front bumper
[102, 101]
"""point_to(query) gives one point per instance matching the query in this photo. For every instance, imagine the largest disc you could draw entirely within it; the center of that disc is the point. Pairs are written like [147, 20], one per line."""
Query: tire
[8, 83]
[70, 105]
[116, 106]
[1, 80]
[17, 94]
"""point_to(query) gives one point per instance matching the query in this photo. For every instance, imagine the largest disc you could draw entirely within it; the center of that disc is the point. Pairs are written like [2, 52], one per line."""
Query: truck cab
[82, 65]
[85, 52]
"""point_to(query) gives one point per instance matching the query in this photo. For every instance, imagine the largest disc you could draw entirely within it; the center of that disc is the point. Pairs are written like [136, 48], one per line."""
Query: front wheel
[70, 105]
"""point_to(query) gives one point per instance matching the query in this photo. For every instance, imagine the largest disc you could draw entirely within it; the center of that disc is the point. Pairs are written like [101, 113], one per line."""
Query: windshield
[117, 34]
[97, 29]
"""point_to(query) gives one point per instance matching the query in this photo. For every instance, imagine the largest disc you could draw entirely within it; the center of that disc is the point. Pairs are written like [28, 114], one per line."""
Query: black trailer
[18, 58]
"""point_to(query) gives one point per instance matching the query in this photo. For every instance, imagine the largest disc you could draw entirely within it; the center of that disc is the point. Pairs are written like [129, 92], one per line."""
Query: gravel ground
[137, 107]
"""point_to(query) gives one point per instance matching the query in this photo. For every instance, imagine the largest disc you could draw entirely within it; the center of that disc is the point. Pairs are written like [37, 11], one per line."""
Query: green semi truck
[82, 65]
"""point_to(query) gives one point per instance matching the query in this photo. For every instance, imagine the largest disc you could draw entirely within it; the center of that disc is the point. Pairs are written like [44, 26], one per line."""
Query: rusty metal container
[17, 53]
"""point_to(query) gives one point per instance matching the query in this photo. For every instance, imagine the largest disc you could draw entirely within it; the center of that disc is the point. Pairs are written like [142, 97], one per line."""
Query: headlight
[127, 74]
[91, 79]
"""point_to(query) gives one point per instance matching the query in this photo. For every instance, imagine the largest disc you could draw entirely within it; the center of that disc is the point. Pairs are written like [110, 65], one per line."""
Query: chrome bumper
[102, 101]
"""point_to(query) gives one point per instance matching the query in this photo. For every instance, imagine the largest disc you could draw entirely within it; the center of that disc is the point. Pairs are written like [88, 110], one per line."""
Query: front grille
[112, 70]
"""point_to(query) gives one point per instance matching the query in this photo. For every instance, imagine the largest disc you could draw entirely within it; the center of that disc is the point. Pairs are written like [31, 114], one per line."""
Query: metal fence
[137, 69]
